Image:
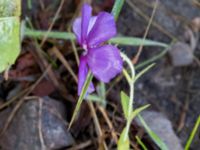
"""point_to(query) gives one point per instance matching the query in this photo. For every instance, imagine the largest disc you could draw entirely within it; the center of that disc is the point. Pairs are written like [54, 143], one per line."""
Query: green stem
[131, 84]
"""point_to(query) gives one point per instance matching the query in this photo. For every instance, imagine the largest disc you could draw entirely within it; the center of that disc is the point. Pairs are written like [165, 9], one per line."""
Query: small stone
[159, 124]
[23, 132]
[181, 54]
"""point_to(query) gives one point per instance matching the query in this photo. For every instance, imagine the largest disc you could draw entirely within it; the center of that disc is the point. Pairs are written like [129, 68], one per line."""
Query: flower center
[85, 49]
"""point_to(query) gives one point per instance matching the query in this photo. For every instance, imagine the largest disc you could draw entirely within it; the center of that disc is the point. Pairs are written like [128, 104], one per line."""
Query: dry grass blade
[135, 59]
[97, 126]
[81, 146]
[103, 111]
[53, 22]
[65, 63]
[43, 147]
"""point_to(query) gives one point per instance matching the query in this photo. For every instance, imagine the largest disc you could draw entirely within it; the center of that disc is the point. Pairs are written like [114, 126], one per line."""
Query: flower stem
[131, 84]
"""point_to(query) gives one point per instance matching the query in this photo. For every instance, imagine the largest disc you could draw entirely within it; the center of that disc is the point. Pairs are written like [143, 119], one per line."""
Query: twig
[97, 125]
[81, 146]
[65, 63]
[114, 135]
[135, 59]
[43, 147]
[9, 102]
[53, 22]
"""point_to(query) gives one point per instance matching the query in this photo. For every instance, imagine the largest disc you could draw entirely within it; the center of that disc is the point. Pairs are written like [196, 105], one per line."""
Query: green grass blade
[53, 34]
[134, 41]
[117, 8]
[194, 131]
[138, 110]
[151, 60]
[143, 71]
[141, 143]
[153, 135]
[129, 41]
[81, 97]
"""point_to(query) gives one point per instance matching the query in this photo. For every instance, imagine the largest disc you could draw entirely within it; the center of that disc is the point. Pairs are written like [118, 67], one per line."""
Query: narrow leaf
[153, 135]
[53, 34]
[117, 8]
[133, 41]
[123, 143]
[141, 143]
[129, 41]
[81, 97]
[194, 131]
[125, 102]
[143, 71]
[138, 110]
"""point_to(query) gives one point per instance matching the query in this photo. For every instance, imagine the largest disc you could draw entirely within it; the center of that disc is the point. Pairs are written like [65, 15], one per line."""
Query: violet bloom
[91, 32]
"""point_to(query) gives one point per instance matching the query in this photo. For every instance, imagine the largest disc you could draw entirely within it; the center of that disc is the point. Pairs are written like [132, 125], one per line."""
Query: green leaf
[10, 8]
[123, 142]
[153, 135]
[125, 102]
[129, 41]
[81, 97]
[117, 8]
[138, 110]
[141, 143]
[133, 41]
[10, 11]
[9, 41]
[194, 131]
[53, 34]
[143, 71]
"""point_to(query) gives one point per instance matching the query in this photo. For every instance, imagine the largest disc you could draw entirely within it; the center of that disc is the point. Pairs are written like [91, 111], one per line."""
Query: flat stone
[23, 132]
[159, 124]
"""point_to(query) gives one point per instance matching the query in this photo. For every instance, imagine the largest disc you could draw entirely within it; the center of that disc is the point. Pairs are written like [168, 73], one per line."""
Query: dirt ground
[171, 90]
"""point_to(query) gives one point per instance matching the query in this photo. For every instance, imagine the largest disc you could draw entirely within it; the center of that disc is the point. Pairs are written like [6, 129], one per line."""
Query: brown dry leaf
[26, 65]
[44, 88]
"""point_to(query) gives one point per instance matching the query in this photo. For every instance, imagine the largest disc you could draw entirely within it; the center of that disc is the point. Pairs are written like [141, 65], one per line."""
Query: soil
[174, 91]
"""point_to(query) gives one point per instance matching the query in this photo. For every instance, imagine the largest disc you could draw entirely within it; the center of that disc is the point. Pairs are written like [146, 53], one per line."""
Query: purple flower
[91, 32]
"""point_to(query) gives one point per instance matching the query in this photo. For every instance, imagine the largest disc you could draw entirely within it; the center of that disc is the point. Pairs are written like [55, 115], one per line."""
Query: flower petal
[103, 29]
[82, 74]
[105, 62]
[77, 29]
[86, 15]
[91, 24]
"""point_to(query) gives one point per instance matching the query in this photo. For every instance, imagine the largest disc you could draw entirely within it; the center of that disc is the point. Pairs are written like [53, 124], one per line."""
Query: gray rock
[181, 54]
[159, 124]
[23, 132]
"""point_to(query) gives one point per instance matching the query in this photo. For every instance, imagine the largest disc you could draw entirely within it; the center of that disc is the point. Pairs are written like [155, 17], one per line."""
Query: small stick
[97, 125]
[135, 59]
[53, 22]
